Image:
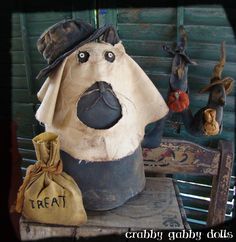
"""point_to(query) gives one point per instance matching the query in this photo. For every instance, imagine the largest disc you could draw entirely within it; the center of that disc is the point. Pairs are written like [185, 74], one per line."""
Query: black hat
[62, 38]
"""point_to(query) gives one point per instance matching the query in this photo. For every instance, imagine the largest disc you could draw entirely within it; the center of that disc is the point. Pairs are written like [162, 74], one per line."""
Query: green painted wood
[18, 70]
[206, 51]
[146, 47]
[179, 20]
[162, 32]
[161, 80]
[17, 57]
[36, 68]
[25, 143]
[198, 215]
[148, 15]
[194, 214]
[32, 43]
[201, 204]
[15, 30]
[18, 82]
[35, 29]
[21, 96]
[205, 69]
[206, 16]
[210, 34]
[194, 178]
[54, 17]
[16, 40]
[154, 64]
[36, 57]
[16, 44]
[26, 49]
[15, 17]
[23, 114]
[27, 162]
[197, 52]
[207, 180]
[194, 189]
[28, 154]
[47, 16]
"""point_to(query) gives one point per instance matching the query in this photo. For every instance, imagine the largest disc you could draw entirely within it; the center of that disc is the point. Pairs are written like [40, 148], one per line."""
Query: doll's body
[99, 101]
[107, 185]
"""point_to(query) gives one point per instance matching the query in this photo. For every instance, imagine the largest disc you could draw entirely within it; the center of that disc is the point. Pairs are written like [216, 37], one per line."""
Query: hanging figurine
[178, 99]
[209, 119]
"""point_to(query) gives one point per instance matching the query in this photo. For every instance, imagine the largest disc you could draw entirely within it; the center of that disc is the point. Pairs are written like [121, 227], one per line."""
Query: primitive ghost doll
[99, 101]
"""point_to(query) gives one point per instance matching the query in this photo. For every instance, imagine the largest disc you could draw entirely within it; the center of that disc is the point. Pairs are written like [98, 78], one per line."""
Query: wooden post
[220, 185]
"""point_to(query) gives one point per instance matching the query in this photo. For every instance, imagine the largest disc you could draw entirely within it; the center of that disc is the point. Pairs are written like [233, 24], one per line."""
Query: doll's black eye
[109, 56]
[83, 56]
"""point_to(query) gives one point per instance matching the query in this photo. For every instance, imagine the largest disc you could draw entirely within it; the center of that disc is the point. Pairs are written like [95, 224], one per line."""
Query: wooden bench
[159, 206]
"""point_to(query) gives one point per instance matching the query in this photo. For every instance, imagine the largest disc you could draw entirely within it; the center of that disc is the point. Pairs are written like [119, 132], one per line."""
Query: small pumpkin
[178, 101]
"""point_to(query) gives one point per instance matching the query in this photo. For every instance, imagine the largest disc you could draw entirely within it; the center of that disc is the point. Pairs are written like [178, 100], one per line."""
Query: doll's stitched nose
[99, 106]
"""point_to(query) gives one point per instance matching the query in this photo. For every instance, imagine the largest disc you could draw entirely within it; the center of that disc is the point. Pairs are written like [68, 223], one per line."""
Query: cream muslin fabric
[140, 100]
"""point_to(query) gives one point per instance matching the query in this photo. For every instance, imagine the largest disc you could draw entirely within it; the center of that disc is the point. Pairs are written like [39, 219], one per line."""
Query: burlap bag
[49, 195]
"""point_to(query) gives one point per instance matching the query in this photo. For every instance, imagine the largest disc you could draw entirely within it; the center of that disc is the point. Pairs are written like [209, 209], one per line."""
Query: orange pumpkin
[178, 101]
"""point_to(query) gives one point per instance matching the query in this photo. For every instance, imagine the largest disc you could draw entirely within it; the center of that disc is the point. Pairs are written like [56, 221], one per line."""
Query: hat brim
[97, 33]
[208, 87]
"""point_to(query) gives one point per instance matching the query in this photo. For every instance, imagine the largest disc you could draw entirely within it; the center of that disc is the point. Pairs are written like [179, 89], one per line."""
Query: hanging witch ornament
[178, 93]
[208, 120]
